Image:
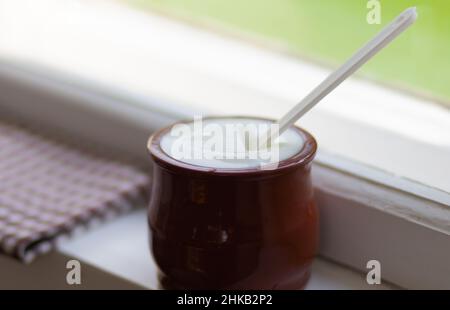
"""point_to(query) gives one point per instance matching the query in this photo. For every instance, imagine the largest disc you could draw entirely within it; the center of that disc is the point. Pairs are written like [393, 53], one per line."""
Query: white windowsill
[115, 255]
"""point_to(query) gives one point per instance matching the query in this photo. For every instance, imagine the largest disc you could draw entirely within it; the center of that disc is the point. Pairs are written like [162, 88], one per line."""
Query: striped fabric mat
[50, 189]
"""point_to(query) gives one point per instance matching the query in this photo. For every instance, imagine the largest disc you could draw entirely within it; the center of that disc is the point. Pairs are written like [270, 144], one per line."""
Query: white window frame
[365, 213]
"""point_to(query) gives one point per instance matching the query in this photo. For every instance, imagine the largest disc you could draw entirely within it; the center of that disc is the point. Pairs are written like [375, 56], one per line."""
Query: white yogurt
[229, 143]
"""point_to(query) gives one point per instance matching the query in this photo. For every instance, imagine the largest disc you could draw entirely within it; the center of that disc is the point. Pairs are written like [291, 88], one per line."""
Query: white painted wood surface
[120, 248]
[115, 255]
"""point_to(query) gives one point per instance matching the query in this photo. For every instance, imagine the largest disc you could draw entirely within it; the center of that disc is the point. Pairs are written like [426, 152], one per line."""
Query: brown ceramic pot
[233, 229]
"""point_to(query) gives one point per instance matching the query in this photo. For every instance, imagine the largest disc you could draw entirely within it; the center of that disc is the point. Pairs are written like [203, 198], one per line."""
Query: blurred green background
[329, 31]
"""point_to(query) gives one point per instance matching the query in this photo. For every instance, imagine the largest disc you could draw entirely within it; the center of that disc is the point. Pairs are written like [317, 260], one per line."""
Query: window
[129, 46]
[329, 31]
[177, 58]
[142, 53]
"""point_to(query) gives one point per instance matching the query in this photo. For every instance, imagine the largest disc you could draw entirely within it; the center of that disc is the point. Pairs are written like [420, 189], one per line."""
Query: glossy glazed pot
[233, 229]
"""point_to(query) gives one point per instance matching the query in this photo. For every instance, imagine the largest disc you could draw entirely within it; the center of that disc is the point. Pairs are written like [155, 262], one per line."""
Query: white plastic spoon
[383, 38]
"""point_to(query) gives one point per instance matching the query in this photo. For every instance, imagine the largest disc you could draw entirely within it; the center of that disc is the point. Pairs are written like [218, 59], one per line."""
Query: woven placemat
[49, 189]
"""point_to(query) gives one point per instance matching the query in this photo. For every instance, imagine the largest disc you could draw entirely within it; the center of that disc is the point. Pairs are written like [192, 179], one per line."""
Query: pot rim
[301, 158]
